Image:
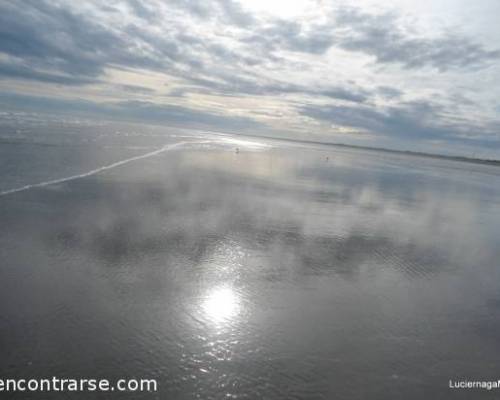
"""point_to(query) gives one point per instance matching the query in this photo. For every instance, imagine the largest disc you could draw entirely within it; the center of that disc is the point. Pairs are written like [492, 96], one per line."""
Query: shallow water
[278, 271]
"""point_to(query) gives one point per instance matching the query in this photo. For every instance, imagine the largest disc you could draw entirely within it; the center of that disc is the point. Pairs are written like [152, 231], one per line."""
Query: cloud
[198, 54]
[46, 36]
[142, 9]
[384, 38]
[20, 71]
[389, 92]
[133, 110]
[49, 36]
[292, 36]
[224, 11]
[58, 41]
[135, 89]
[76, 41]
[416, 121]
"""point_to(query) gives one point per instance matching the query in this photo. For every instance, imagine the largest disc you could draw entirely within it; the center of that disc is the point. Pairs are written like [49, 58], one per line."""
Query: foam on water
[97, 170]
[250, 145]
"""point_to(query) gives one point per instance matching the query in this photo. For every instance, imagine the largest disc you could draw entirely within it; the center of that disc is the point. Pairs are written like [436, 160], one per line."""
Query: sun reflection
[221, 304]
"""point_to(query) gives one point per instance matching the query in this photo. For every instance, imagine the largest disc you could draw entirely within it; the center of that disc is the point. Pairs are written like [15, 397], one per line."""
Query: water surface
[272, 271]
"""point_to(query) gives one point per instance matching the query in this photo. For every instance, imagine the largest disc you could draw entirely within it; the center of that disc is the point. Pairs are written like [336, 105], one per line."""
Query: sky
[411, 75]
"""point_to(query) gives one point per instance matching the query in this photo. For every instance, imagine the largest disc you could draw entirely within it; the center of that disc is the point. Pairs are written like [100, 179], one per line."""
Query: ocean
[226, 266]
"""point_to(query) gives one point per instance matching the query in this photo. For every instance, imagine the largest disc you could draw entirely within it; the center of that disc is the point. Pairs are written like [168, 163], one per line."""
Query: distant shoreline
[484, 161]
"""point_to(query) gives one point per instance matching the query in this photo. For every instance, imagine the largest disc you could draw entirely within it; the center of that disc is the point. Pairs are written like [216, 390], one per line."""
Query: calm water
[277, 272]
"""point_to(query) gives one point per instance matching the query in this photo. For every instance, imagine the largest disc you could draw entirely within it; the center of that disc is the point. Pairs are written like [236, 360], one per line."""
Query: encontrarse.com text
[55, 384]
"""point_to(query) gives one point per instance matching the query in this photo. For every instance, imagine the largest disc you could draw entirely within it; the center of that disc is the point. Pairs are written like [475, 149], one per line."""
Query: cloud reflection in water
[259, 273]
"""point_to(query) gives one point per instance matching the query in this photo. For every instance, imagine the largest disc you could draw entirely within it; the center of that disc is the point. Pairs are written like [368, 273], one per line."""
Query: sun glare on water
[221, 304]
